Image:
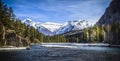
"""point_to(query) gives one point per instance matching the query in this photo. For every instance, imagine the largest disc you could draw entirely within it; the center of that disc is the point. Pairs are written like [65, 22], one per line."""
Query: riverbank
[60, 45]
[11, 48]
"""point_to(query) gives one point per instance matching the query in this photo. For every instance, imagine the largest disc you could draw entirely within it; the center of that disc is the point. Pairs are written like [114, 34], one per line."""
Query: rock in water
[28, 48]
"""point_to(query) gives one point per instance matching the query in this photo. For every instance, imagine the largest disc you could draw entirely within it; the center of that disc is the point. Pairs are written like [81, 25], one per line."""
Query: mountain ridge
[111, 14]
[51, 28]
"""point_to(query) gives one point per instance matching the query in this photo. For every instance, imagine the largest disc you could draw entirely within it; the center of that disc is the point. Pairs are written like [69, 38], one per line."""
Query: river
[63, 52]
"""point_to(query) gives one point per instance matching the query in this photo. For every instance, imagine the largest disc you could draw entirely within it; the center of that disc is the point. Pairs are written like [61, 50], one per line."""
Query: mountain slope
[111, 14]
[111, 22]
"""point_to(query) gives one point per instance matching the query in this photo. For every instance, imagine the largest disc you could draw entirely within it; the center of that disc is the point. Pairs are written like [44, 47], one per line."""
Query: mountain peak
[27, 20]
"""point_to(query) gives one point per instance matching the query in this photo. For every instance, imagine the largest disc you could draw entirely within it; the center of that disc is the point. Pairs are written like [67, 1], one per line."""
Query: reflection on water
[62, 52]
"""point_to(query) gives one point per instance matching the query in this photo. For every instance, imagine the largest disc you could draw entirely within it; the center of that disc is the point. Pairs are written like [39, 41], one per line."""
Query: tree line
[105, 33]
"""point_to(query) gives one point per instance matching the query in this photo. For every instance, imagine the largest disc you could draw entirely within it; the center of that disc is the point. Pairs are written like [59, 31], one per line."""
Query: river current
[62, 52]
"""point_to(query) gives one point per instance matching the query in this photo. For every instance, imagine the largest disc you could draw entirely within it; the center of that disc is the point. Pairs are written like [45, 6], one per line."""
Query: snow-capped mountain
[50, 28]
[72, 25]
[29, 22]
[47, 28]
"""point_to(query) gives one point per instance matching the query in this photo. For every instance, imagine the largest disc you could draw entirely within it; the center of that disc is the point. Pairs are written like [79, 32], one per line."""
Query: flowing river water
[62, 52]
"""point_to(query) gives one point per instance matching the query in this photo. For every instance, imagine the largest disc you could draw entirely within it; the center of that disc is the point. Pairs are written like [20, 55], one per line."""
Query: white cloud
[64, 10]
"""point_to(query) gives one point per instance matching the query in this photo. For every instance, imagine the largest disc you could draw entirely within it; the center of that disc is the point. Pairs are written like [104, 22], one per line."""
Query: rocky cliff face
[14, 40]
[10, 38]
[111, 22]
[111, 14]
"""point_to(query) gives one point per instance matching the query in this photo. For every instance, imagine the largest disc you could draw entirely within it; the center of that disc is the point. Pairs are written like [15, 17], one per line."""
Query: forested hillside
[14, 32]
[93, 34]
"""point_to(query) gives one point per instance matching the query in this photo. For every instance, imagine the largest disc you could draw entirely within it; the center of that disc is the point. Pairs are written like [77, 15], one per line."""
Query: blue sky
[59, 11]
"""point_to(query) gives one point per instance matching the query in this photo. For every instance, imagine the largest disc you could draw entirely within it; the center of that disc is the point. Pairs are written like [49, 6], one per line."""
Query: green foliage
[94, 34]
[109, 33]
[113, 32]
[85, 34]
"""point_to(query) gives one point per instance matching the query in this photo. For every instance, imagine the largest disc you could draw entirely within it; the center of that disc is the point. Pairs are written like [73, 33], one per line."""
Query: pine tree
[11, 14]
[85, 34]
